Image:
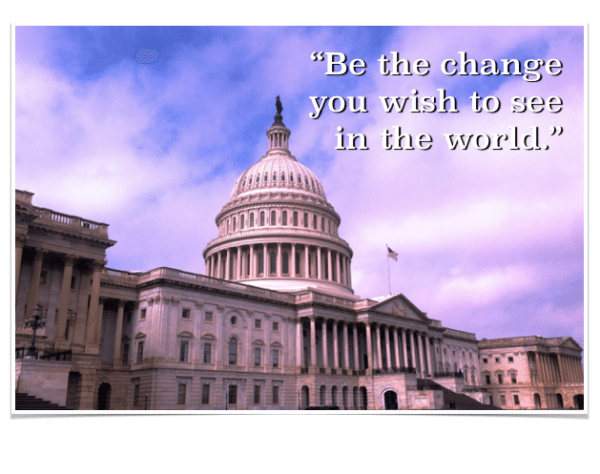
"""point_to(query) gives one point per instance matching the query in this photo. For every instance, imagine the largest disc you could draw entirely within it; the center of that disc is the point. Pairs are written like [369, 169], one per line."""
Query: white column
[324, 334]
[421, 355]
[306, 267]
[239, 263]
[299, 343]
[369, 346]
[329, 266]
[118, 333]
[227, 264]
[319, 263]
[252, 262]
[355, 346]
[336, 362]
[404, 350]
[34, 284]
[293, 265]
[396, 348]
[378, 346]
[346, 351]
[63, 304]
[313, 343]
[428, 351]
[278, 263]
[388, 352]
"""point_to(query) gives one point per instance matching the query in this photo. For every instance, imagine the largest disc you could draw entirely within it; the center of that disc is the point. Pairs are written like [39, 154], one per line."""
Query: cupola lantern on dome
[277, 230]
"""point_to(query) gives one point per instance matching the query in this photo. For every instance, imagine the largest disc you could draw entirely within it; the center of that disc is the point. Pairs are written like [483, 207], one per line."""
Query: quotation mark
[317, 56]
[556, 130]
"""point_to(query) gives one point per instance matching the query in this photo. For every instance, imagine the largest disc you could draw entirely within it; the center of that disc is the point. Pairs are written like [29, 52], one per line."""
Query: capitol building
[272, 324]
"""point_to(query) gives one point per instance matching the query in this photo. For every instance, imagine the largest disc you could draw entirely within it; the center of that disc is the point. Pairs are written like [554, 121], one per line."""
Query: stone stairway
[24, 401]
[453, 400]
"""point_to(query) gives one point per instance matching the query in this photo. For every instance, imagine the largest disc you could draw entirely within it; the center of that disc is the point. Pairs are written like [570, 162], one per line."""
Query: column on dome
[252, 262]
[219, 265]
[306, 262]
[265, 261]
[227, 264]
[319, 266]
[279, 263]
[96, 308]
[240, 258]
[34, 284]
[60, 325]
[338, 275]
[293, 257]
[413, 349]
[329, 266]
[299, 343]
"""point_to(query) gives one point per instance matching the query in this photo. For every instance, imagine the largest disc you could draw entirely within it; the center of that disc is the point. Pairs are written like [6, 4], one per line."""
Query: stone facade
[273, 324]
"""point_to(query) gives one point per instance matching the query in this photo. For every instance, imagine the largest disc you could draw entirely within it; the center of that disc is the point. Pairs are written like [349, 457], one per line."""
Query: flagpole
[388, 265]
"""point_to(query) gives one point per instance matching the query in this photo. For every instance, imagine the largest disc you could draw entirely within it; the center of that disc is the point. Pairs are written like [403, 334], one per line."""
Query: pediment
[399, 306]
[570, 343]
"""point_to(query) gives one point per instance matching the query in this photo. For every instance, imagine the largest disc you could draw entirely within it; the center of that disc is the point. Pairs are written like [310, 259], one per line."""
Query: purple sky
[489, 242]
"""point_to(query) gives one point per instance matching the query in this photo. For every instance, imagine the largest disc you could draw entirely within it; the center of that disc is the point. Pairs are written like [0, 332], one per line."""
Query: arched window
[233, 351]
[314, 222]
[285, 263]
[322, 224]
[306, 219]
[251, 219]
[261, 263]
[234, 222]
[284, 218]
[323, 395]
[273, 218]
[295, 219]
[273, 263]
[262, 218]
[242, 221]
[228, 226]
[297, 263]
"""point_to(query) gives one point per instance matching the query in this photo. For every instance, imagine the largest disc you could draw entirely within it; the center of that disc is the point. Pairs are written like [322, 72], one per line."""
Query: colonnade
[282, 260]
[557, 368]
[330, 347]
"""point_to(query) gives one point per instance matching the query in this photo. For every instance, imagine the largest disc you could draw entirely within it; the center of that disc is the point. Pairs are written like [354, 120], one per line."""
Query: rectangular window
[257, 324]
[125, 355]
[208, 316]
[136, 394]
[275, 355]
[485, 360]
[516, 399]
[181, 394]
[257, 356]
[183, 351]
[502, 399]
[513, 378]
[207, 352]
[205, 394]
[275, 395]
[275, 326]
[488, 380]
[510, 359]
[143, 313]
[500, 378]
[497, 360]
[186, 313]
[140, 352]
[232, 395]
[257, 394]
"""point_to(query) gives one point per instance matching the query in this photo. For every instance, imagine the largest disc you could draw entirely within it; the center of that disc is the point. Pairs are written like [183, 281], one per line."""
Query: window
[234, 223]
[183, 351]
[257, 394]
[68, 329]
[242, 221]
[261, 263]
[232, 395]
[207, 352]
[262, 218]
[208, 316]
[513, 378]
[251, 219]
[314, 222]
[497, 360]
[143, 313]
[257, 356]
[285, 263]
[186, 313]
[516, 399]
[275, 326]
[125, 354]
[275, 356]
[205, 394]
[510, 359]
[136, 394]
[284, 218]
[488, 379]
[181, 391]
[500, 379]
[273, 263]
[503, 399]
[233, 351]
[485, 360]
[257, 323]
[140, 352]
[275, 395]
[322, 224]
[305, 219]
[295, 219]
[273, 218]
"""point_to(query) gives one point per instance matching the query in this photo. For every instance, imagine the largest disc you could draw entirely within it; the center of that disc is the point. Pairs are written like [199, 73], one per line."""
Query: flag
[392, 254]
